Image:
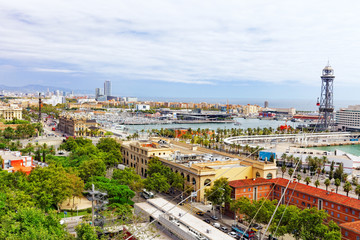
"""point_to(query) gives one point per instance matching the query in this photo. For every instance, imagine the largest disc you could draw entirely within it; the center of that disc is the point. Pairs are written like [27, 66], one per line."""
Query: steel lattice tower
[326, 108]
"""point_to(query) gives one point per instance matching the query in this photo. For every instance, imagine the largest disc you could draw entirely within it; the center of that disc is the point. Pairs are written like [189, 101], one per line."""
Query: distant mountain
[32, 88]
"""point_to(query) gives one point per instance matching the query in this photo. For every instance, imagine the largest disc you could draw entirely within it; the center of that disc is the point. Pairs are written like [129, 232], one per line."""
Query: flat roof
[188, 219]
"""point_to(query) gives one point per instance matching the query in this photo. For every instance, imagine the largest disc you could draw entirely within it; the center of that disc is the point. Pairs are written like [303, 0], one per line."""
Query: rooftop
[352, 226]
[249, 182]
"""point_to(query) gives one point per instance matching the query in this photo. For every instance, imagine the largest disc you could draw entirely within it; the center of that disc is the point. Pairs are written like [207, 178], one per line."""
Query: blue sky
[221, 49]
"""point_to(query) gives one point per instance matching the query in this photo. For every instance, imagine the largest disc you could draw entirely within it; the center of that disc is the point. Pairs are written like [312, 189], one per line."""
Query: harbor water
[240, 123]
[352, 149]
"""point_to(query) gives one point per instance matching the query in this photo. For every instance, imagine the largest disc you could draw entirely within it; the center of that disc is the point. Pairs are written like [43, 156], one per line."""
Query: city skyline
[167, 49]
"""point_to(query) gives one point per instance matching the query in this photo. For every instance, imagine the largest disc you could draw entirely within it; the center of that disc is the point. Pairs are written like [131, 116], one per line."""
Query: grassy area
[75, 213]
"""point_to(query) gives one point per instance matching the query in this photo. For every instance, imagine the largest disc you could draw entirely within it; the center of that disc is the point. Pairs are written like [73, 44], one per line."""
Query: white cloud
[203, 42]
[52, 70]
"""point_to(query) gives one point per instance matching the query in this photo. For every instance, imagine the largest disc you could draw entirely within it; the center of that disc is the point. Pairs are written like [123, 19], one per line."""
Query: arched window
[257, 174]
[182, 174]
[188, 178]
[193, 181]
[269, 176]
[207, 182]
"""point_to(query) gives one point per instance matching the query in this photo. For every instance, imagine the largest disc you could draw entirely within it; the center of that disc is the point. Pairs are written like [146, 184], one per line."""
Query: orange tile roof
[320, 193]
[351, 226]
[303, 188]
[249, 182]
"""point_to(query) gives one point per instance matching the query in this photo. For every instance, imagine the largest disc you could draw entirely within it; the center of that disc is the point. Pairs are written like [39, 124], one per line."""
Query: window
[326, 203]
[332, 213]
[338, 215]
[353, 212]
[338, 207]
[346, 218]
[346, 210]
[332, 205]
[265, 187]
[309, 198]
[249, 195]
[302, 203]
[244, 190]
[249, 189]
[357, 238]
[303, 196]
[346, 234]
[308, 205]
[297, 201]
[259, 188]
[314, 200]
[353, 220]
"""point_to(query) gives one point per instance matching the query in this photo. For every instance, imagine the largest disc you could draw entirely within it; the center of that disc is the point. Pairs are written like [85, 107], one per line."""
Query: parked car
[214, 217]
[207, 220]
[232, 234]
[200, 213]
[224, 229]
[216, 225]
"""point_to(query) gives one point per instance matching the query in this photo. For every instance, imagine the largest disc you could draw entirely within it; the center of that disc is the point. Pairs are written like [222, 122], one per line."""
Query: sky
[168, 48]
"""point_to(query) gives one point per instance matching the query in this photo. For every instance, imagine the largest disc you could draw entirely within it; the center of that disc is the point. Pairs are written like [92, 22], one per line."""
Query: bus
[240, 232]
[147, 194]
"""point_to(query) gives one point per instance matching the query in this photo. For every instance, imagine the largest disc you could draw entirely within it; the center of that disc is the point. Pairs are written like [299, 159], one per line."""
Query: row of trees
[301, 224]
[22, 131]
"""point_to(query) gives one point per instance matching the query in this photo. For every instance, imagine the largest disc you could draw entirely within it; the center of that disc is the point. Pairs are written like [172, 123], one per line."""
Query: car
[257, 226]
[181, 204]
[216, 225]
[207, 220]
[224, 229]
[232, 234]
[61, 153]
[214, 217]
[200, 213]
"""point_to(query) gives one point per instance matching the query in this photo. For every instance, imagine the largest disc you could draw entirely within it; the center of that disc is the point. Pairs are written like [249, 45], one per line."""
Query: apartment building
[14, 162]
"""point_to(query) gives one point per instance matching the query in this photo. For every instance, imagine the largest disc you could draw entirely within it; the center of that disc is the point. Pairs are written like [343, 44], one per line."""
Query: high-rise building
[107, 88]
[98, 92]
[348, 119]
[266, 104]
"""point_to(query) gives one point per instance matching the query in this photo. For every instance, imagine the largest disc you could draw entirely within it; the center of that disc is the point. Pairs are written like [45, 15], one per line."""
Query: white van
[216, 225]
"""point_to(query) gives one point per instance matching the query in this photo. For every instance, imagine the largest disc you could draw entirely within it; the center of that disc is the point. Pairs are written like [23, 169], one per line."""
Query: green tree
[317, 183]
[337, 184]
[32, 223]
[327, 183]
[94, 167]
[347, 187]
[129, 177]
[111, 146]
[283, 170]
[307, 180]
[357, 191]
[298, 177]
[290, 171]
[49, 186]
[85, 231]
[157, 182]
[219, 193]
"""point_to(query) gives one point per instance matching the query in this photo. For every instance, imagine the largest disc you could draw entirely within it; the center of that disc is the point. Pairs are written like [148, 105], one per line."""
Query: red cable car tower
[326, 106]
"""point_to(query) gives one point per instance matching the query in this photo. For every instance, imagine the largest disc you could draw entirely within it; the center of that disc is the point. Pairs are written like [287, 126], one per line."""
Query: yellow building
[9, 113]
[198, 166]
[79, 127]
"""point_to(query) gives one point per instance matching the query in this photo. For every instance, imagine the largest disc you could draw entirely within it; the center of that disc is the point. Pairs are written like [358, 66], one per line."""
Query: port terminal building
[199, 166]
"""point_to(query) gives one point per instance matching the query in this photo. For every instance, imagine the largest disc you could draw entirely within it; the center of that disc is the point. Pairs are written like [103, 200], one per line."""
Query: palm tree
[290, 171]
[283, 170]
[357, 191]
[307, 180]
[327, 183]
[347, 188]
[298, 177]
[317, 183]
[337, 184]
